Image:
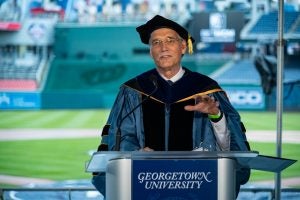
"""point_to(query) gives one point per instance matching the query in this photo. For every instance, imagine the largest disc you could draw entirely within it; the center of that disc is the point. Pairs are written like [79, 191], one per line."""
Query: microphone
[153, 78]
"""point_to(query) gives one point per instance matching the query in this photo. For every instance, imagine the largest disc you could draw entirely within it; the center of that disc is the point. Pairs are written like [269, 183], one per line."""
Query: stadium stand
[21, 85]
[240, 72]
[21, 73]
[265, 26]
[268, 23]
[297, 29]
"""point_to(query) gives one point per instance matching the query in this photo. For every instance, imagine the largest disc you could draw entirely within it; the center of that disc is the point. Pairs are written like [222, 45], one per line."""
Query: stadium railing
[73, 193]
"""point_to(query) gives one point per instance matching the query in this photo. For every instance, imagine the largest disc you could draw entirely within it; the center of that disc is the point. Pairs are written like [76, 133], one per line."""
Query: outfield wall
[83, 83]
[243, 97]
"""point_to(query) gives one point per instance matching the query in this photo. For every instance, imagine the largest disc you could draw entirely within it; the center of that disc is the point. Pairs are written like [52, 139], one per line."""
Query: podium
[177, 174]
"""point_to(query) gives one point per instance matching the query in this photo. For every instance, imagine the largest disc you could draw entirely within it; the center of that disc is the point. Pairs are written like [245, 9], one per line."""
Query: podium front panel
[186, 179]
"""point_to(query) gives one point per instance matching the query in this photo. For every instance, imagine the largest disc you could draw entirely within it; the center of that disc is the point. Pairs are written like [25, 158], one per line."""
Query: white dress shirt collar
[177, 76]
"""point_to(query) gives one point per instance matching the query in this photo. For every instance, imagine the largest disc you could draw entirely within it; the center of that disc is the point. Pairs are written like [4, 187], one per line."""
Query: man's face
[166, 48]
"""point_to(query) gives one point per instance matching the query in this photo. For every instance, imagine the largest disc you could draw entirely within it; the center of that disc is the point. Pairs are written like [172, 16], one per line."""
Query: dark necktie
[170, 82]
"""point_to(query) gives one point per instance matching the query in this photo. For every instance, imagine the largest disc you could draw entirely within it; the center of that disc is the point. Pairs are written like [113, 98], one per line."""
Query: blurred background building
[76, 53]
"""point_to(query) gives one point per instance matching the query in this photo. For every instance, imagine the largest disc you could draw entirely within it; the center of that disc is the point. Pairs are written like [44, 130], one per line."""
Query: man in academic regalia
[171, 108]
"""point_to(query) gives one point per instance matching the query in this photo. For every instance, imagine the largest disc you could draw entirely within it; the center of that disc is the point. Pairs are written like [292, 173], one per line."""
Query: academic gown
[160, 122]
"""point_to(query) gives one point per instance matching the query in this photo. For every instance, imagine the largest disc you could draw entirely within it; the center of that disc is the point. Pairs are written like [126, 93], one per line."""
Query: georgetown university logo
[174, 179]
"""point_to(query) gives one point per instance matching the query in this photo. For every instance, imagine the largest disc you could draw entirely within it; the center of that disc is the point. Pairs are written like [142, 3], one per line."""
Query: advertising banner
[19, 100]
[174, 179]
[246, 97]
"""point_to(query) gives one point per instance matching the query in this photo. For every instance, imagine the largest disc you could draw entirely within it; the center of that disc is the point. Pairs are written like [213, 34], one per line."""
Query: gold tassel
[190, 45]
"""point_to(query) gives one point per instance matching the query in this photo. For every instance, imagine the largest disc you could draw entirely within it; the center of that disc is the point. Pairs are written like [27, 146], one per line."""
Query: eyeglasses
[169, 42]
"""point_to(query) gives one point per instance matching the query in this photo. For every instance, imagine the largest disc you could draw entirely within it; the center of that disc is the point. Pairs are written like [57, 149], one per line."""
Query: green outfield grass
[268, 120]
[97, 118]
[61, 159]
[56, 159]
[53, 119]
